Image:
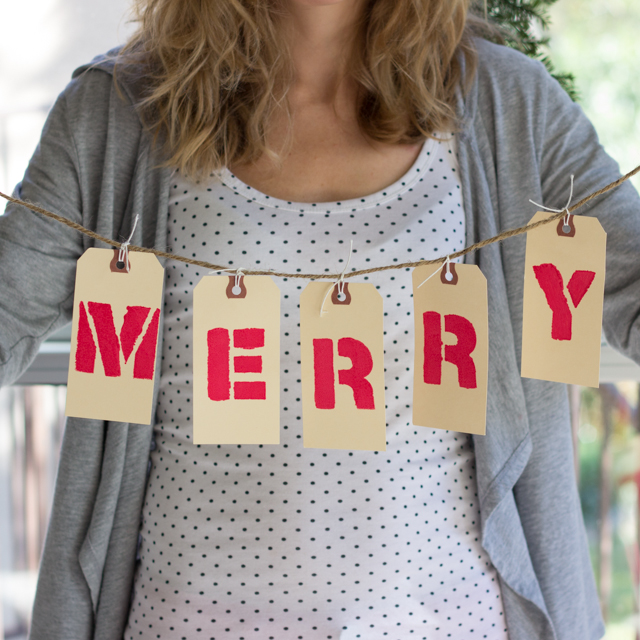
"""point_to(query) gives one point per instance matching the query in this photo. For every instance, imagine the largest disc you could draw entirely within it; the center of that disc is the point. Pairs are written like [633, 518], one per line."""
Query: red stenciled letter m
[110, 346]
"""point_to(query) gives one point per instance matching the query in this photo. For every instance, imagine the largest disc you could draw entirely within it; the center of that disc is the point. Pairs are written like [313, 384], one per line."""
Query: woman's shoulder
[503, 58]
[100, 98]
[508, 81]
[106, 71]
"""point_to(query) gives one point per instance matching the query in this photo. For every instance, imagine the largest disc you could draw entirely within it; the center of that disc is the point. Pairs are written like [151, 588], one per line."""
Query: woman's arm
[571, 147]
[38, 255]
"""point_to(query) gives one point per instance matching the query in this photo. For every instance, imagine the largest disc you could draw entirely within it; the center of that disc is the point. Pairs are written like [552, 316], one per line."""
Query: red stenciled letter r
[362, 365]
[460, 353]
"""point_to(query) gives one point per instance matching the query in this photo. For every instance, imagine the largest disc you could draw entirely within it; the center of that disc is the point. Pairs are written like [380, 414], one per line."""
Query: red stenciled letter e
[218, 378]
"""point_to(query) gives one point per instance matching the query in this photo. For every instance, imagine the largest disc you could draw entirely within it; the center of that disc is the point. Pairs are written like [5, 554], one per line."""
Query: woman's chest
[329, 163]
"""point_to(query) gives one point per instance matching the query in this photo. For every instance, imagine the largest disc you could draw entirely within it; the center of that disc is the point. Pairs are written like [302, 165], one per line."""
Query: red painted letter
[362, 364]
[432, 365]
[460, 353]
[579, 285]
[218, 381]
[132, 325]
[85, 345]
[550, 281]
[247, 364]
[145, 362]
[248, 338]
[323, 376]
[107, 338]
[132, 328]
[250, 390]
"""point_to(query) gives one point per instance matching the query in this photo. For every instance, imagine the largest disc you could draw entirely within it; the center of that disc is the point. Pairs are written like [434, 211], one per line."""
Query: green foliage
[521, 25]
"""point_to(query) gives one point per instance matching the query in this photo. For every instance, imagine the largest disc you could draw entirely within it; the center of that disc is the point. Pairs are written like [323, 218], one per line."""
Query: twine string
[448, 276]
[123, 253]
[237, 273]
[237, 289]
[567, 218]
[510, 233]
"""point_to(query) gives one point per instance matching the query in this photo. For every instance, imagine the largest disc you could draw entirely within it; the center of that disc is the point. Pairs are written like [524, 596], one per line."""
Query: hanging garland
[510, 233]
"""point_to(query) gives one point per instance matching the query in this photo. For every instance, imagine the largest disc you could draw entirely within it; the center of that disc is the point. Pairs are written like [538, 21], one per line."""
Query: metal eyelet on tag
[448, 274]
[236, 287]
[566, 227]
[341, 294]
[117, 265]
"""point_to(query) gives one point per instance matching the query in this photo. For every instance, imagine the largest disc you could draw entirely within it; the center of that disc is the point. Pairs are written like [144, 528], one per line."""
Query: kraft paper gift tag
[451, 348]
[563, 299]
[236, 360]
[114, 337]
[343, 403]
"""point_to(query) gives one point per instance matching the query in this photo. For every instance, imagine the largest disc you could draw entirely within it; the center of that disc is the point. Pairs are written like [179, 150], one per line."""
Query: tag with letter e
[451, 348]
[563, 299]
[236, 361]
[114, 337]
[342, 368]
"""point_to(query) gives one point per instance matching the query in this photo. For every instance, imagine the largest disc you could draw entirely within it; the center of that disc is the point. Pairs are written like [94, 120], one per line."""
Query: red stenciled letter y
[550, 281]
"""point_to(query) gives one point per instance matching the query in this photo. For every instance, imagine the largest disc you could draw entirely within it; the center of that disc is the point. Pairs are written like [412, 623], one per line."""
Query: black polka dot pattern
[282, 542]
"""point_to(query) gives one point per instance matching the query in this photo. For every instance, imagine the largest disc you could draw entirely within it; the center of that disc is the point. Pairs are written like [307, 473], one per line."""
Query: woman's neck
[320, 41]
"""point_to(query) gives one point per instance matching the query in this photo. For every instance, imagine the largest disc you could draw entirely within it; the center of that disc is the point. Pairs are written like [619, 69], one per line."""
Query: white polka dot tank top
[278, 542]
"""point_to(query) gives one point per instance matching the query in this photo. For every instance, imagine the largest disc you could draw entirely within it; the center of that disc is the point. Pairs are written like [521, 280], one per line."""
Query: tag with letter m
[114, 338]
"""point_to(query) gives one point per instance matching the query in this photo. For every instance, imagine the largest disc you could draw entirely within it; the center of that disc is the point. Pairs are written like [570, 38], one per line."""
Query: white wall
[42, 42]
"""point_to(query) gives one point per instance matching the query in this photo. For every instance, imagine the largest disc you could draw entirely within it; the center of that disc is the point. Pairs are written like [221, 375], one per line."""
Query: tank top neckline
[403, 184]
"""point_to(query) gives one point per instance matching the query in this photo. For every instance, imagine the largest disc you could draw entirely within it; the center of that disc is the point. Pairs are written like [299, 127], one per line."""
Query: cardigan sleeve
[38, 255]
[83, 169]
[571, 146]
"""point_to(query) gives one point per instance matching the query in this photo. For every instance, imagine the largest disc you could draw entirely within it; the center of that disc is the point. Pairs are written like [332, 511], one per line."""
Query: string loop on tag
[448, 275]
[566, 221]
[123, 253]
[237, 289]
[238, 274]
[340, 282]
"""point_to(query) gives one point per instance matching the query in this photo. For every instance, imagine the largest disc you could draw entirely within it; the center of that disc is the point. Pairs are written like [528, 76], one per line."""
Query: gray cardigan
[521, 138]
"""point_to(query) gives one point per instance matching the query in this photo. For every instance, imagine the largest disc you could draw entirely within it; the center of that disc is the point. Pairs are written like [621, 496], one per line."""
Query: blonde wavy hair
[214, 71]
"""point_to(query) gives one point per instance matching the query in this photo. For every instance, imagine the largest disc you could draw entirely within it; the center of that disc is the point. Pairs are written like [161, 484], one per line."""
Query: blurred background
[44, 40]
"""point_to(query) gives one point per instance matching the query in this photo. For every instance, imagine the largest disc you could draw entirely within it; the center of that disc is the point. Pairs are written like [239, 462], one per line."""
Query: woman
[282, 130]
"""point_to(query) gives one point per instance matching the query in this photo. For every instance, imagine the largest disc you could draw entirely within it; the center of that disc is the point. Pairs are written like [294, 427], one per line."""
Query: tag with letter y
[563, 299]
